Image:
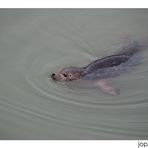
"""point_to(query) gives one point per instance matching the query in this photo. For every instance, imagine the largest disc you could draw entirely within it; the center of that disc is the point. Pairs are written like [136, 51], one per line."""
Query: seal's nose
[53, 76]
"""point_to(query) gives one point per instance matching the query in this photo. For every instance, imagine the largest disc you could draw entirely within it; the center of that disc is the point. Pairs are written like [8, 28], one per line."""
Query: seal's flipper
[106, 87]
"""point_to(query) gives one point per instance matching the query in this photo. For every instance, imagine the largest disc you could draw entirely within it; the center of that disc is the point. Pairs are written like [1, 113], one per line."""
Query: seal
[103, 69]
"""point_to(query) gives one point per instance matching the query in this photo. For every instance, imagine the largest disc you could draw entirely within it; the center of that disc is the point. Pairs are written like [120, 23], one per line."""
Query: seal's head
[68, 74]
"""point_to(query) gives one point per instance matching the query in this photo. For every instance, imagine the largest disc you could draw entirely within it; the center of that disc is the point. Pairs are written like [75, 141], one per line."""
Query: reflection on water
[35, 43]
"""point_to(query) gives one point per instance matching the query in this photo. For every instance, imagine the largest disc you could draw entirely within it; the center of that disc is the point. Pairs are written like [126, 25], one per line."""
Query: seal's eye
[64, 75]
[70, 75]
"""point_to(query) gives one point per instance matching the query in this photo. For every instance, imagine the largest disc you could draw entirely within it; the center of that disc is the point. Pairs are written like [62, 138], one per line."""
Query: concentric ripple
[83, 97]
[37, 74]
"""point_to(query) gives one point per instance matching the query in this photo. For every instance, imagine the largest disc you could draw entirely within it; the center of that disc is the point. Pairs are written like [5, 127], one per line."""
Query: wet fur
[101, 68]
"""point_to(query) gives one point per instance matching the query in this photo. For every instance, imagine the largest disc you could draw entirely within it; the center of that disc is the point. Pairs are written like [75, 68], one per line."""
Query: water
[36, 43]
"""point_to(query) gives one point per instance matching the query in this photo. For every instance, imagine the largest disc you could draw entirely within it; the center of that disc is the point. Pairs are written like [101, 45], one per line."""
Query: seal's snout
[53, 76]
[58, 77]
[67, 74]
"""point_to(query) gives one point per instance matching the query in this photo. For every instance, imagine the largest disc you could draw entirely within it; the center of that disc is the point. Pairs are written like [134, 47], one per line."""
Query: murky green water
[35, 43]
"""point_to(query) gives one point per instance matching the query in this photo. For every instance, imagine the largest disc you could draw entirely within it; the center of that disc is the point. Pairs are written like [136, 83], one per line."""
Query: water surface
[36, 43]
